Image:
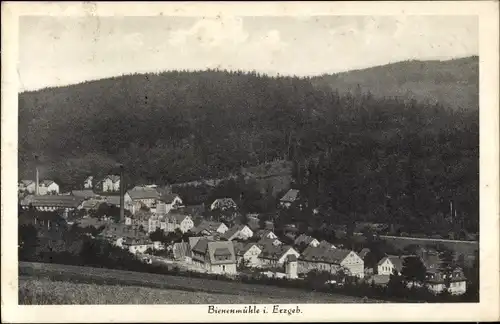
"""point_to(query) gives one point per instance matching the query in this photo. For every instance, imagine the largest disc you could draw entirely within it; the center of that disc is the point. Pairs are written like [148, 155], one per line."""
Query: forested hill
[454, 83]
[182, 126]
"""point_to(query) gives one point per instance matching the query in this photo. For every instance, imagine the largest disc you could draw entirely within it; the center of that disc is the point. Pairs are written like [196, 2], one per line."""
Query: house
[209, 228]
[266, 234]
[275, 256]
[143, 196]
[290, 198]
[437, 281]
[215, 256]
[306, 240]
[331, 260]
[247, 253]
[390, 264]
[111, 183]
[64, 204]
[168, 202]
[179, 221]
[242, 232]
[223, 204]
[137, 245]
[48, 187]
[182, 252]
[88, 182]
[28, 186]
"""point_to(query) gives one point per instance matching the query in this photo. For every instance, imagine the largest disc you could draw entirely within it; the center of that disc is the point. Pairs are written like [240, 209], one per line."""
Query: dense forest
[365, 155]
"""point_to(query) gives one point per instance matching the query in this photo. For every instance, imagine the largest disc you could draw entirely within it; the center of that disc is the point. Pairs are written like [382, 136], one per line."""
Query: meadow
[41, 283]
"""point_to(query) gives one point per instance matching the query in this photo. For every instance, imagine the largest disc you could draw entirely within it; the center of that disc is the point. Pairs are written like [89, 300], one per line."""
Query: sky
[56, 51]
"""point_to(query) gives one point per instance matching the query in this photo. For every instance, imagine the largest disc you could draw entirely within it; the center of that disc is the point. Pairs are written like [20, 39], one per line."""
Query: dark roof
[437, 277]
[262, 233]
[303, 238]
[113, 178]
[222, 251]
[242, 248]
[325, 244]
[274, 252]
[176, 217]
[143, 193]
[47, 183]
[181, 250]
[61, 201]
[291, 258]
[221, 248]
[320, 254]
[232, 231]
[290, 196]
[208, 225]
[201, 245]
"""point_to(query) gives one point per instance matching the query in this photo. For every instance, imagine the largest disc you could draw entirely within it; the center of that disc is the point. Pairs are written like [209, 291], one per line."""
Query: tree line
[364, 157]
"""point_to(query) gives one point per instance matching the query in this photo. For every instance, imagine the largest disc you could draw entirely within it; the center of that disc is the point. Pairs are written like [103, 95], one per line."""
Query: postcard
[250, 161]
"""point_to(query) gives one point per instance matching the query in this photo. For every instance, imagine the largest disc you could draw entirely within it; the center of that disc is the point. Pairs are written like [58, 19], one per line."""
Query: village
[157, 226]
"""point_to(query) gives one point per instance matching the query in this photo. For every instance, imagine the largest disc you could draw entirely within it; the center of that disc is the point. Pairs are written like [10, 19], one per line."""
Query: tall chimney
[37, 180]
[122, 196]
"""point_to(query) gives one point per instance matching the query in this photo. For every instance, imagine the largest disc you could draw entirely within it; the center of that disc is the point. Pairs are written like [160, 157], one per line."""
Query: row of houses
[263, 249]
[218, 248]
[435, 277]
[45, 187]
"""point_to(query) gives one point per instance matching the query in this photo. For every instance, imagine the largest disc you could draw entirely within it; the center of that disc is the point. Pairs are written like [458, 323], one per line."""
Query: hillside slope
[182, 126]
[453, 83]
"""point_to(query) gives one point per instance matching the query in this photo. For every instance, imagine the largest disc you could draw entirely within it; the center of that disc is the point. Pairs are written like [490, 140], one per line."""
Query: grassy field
[41, 283]
[47, 292]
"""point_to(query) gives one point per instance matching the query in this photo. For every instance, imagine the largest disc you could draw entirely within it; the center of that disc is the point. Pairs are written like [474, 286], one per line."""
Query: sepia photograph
[249, 163]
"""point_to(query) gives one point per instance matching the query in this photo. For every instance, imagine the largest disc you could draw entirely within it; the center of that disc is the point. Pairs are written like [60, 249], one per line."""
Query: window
[223, 268]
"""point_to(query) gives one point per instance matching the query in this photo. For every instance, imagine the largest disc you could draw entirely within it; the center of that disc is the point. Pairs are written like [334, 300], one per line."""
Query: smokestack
[37, 180]
[122, 195]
